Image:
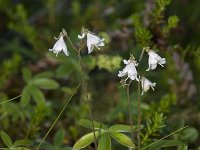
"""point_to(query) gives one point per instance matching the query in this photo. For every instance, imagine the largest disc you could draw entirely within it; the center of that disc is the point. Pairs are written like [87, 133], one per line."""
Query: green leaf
[64, 70]
[122, 139]
[189, 135]
[37, 94]
[123, 128]
[104, 142]
[26, 95]
[21, 148]
[26, 74]
[88, 124]
[164, 143]
[45, 83]
[59, 137]
[46, 74]
[21, 143]
[6, 139]
[173, 21]
[85, 140]
[183, 147]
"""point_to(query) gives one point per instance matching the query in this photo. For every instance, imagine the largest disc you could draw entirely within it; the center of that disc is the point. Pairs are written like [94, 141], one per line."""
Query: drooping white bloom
[129, 70]
[59, 46]
[92, 40]
[155, 59]
[146, 84]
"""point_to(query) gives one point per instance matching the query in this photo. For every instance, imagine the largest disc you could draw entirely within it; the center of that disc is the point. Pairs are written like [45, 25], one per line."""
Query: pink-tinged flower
[146, 84]
[155, 59]
[129, 70]
[59, 46]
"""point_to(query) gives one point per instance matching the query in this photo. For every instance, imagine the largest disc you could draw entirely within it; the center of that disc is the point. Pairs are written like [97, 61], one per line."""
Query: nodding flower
[146, 84]
[92, 40]
[130, 69]
[60, 46]
[155, 59]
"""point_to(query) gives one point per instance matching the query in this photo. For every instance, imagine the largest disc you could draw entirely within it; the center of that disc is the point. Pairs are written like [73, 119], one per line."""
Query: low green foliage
[104, 134]
[19, 144]
[58, 140]
[34, 82]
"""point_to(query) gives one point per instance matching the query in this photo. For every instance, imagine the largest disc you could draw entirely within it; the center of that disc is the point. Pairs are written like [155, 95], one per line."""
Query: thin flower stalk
[139, 116]
[84, 87]
[139, 98]
[129, 108]
[84, 84]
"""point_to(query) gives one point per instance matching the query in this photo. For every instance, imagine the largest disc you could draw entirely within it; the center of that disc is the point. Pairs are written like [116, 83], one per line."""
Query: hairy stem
[84, 87]
[64, 33]
[139, 115]
[129, 109]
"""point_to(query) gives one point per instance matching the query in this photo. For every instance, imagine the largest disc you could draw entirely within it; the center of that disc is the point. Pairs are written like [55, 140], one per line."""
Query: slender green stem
[139, 99]
[141, 55]
[164, 137]
[129, 109]
[67, 101]
[84, 86]
[10, 99]
[139, 115]
[64, 32]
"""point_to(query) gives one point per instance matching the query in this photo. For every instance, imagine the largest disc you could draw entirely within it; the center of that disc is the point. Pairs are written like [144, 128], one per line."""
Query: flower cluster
[92, 41]
[132, 74]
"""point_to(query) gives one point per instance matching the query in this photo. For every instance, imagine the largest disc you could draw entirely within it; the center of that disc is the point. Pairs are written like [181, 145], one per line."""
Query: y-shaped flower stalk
[129, 108]
[84, 84]
[139, 111]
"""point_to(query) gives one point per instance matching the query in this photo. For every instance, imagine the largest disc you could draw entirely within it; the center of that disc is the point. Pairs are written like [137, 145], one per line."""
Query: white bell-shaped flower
[146, 84]
[155, 59]
[129, 70]
[60, 46]
[92, 40]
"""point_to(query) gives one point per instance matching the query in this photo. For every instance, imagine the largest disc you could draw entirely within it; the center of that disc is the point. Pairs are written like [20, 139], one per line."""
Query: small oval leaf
[104, 142]
[88, 124]
[6, 139]
[85, 140]
[183, 147]
[189, 134]
[45, 83]
[21, 148]
[164, 143]
[26, 96]
[37, 94]
[59, 137]
[122, 139]
[46, 74]
[123, 128]
[26, 73]
[21, 142]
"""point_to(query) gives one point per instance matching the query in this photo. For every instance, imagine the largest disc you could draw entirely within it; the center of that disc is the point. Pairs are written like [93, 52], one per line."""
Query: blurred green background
[27, 30]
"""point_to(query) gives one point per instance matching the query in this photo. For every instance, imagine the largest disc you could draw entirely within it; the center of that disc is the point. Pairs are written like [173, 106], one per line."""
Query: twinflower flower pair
[131, 71]
[92, 41]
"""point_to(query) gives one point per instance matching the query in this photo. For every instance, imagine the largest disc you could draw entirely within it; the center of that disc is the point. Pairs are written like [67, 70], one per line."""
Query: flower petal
[146, 84]
[59, 46]
[155, 59]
